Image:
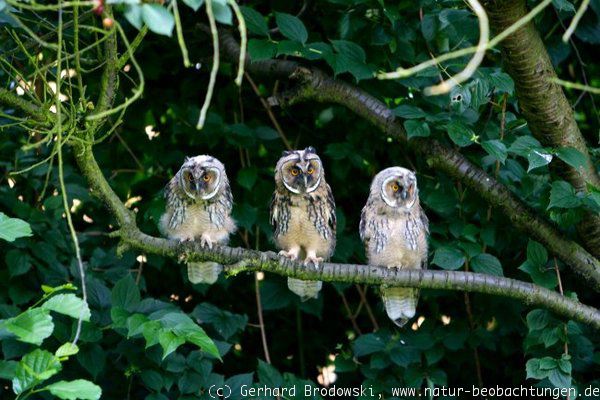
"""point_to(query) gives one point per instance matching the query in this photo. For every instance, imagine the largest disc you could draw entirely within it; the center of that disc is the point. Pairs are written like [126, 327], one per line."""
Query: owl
[394, 230]
[199, 203]
[303, 214]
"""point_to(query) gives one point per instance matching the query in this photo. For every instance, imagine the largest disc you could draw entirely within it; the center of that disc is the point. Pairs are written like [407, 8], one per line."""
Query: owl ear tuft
[286, 153]
[310, 150]
[186, 159]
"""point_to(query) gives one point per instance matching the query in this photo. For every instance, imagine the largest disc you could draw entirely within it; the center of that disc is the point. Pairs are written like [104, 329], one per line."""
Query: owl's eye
[190, 178]
[395, 187]
[206, 178]
[310, 170]
[295, 171]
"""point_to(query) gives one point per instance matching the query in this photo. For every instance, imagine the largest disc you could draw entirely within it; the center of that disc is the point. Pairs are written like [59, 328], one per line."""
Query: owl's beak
[198, 184]
[305, 180]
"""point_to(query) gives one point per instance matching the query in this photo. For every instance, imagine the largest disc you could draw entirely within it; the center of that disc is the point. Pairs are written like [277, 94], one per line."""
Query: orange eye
[295, 171]
[206, 178]
[395, 187]
[310, 170]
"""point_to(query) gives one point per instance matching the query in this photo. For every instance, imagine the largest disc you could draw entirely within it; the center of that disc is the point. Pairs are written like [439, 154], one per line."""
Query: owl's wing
[175, 204]
[425, 223]
[331, 218]
[274, 212]
[373, 227]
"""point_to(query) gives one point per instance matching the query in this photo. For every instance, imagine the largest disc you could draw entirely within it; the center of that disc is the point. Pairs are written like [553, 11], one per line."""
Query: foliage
[149, 333]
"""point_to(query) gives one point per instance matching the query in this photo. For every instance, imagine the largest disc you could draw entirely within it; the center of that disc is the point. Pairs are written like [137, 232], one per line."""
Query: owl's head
[299, 171]
[397, 187]
[201, 177]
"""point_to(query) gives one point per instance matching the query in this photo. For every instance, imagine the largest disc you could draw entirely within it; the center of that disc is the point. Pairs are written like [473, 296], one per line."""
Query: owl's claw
[292, 254]
[316, 261]
[205, 241]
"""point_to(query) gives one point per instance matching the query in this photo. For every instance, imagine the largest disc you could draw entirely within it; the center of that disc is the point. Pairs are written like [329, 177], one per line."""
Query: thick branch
[236, 260]
[315, 85]
[10, 99]
[544, 104]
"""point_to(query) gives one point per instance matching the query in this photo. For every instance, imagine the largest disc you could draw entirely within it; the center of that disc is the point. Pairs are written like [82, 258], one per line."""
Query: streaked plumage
[303, 214]
[199, 203]
[394, 229]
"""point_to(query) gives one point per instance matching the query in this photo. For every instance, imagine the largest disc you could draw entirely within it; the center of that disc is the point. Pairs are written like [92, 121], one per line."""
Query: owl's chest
[406, 245]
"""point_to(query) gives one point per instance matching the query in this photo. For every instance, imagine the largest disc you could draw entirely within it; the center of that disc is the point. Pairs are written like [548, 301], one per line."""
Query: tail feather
[305, 289]
[400, 304]
[204, 272]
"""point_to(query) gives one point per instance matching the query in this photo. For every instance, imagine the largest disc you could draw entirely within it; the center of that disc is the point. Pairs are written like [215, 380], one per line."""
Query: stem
[573, 25]
[180, 39]
[243, 41]
[215, 65]
[61, 177]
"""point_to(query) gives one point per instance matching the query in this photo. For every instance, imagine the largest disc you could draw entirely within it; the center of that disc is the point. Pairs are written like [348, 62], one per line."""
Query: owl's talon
[205, 241]
[316, 261]
[292, 255]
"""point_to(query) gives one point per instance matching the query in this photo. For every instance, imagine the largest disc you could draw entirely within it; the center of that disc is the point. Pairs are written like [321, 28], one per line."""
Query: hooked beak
[305, 181]
[198, 184]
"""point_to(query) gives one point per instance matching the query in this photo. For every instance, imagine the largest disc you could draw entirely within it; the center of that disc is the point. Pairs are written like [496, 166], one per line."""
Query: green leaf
[523, 145]
[196, 335]
[133, 14]
[563, 5]
[158, 19]
[291, 27]
[268, 375]
[572, 156]
[559, 379]
[538, 158]
[125, 294]
[194, 4]
[496, 149]
[169, 342]
[539, 275]
[18, 262]
[563, 195]
[502, 83]
[13, 228]
[261, 49]
[247, 177]
[409, 112]
[533, 369]
[8, 369]
[33, 368]
[255, 22]
[66, 350]
[416, 128]
[32, 326]
[448, 258]
[68, 304]
[224, 322]
[460, 134]
[77, 389]
[536, 253]
[537, 319]
[222, 12]
[486, 264]
[368, 344]
[290, 48]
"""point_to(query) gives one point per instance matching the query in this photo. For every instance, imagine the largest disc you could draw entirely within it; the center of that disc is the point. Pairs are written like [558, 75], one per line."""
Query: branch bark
[10, 99]
[236, 260]
[315, 85]
[544, 104]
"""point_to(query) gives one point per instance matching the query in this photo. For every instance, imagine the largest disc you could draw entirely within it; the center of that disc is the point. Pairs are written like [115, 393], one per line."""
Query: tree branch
[236, 260]
[10, 99]
[544, 104]
[315, 85]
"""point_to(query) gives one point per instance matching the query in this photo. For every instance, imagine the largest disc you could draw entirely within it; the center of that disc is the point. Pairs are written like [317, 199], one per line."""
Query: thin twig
[243, 41]
[403, 73]
[484, 35]
[180, 39]
[269, 111]
[215, 66]
[61, 177]
[363, 296]
[575, 85]
[573, 25]
[351, 316]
